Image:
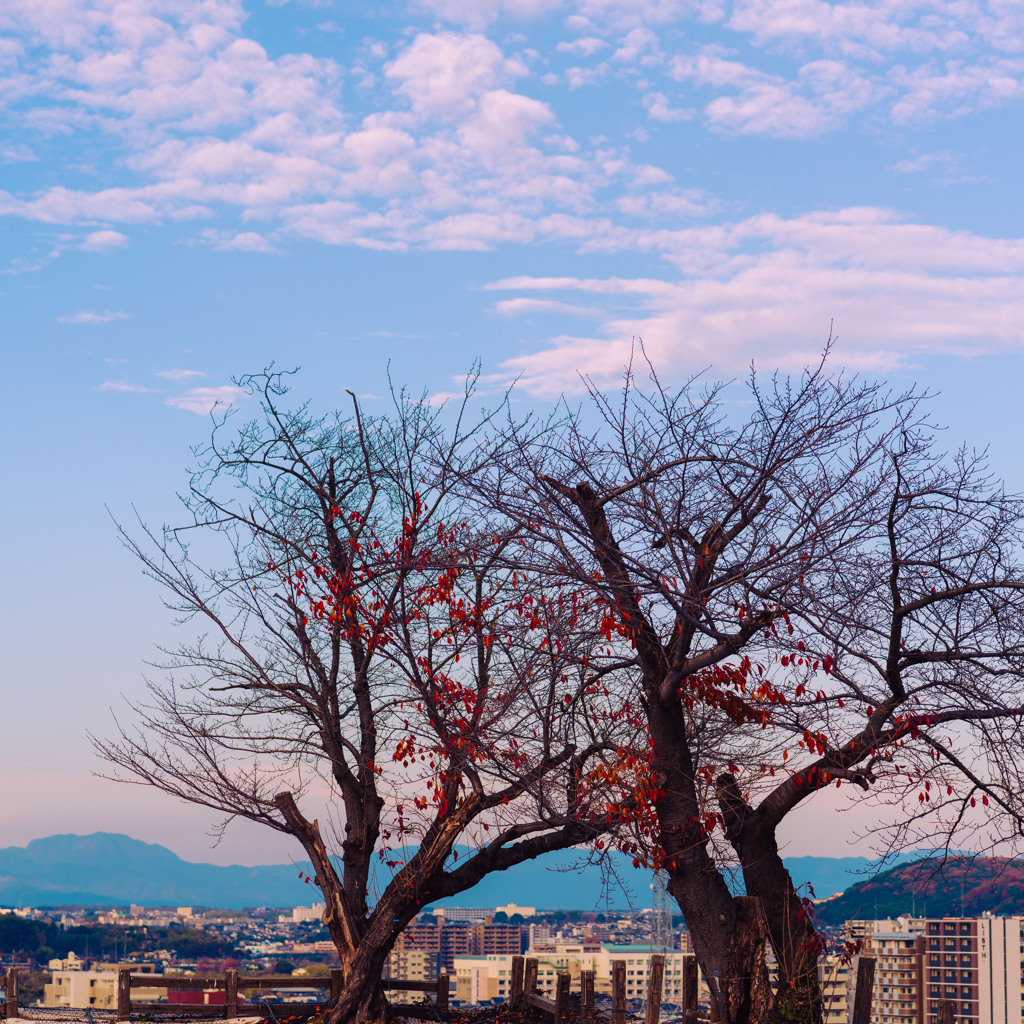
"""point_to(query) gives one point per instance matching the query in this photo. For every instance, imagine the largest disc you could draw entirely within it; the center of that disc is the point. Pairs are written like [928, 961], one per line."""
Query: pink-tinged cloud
[204, 400]
[178, 374]
[104, 241]
[771, 288]
[91, 316]
[122, 387]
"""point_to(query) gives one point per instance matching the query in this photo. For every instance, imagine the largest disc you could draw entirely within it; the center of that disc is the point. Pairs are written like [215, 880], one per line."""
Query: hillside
[968, 885]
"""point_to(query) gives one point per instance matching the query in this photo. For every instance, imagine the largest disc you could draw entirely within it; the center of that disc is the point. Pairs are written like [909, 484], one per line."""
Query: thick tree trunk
[728, 933]
[790, 926]
[796, 943]
[362, 995]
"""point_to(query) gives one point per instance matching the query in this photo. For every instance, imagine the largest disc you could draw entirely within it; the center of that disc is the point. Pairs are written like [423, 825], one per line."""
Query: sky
[191, 190]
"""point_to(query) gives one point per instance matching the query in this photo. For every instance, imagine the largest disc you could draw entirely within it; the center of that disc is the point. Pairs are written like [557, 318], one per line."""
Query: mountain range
[110, 869]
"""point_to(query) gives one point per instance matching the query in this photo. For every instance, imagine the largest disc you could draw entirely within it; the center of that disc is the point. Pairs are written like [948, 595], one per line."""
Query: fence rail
[232, 984]
[524, 990]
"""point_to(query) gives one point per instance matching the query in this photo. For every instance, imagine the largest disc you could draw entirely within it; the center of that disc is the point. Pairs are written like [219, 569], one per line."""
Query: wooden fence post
[442, 993]
[12, 993]
[946, 1013]
[655, 977]
[336, 984]
[231, 994]
[862, 995]
[586, 997]
[562, 997]
[530, 977]
[515, 996]
[618, 992]
[124, 993]
[690, 988]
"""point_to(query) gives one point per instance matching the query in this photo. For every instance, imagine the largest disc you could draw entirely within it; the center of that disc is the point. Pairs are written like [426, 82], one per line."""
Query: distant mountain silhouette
[107, 868]
[934, 888]
[110, 869]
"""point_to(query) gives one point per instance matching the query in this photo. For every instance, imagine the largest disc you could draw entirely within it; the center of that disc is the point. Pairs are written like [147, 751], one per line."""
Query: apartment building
[481, 978]
[974, 963]
[834, 977]
[95, 990]
[412, 965]
[446, 942]
[897, 997]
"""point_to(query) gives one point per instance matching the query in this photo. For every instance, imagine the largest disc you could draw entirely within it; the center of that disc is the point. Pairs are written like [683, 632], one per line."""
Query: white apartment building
[301, 915]
[94, 989]
[512, 908]
[481, 978]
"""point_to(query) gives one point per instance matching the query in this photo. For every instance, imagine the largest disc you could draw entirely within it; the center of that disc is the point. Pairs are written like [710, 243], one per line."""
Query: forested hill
[930, 887]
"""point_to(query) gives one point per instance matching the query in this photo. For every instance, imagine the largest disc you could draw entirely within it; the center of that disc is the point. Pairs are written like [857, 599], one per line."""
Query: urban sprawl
[977, 964]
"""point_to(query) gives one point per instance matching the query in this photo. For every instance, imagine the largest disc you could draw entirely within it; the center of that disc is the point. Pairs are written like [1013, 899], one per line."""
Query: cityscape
[975, 963]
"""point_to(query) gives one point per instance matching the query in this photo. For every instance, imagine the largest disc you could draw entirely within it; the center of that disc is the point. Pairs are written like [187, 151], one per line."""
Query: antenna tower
[661, 915]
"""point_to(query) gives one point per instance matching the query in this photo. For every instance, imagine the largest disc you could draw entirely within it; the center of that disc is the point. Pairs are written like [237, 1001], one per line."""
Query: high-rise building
[974, 963]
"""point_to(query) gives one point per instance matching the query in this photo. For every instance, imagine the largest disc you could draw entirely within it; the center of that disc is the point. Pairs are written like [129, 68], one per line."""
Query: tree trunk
[789, 923]
[728, 933]
[362, 994]
[794, 938]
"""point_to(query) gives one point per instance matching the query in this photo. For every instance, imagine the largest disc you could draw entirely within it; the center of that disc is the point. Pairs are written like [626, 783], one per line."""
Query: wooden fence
[524, 990]
[231, 985]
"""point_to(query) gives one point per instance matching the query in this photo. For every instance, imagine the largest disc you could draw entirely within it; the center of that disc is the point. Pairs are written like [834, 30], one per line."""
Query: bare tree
[807, 570]
[366, 663]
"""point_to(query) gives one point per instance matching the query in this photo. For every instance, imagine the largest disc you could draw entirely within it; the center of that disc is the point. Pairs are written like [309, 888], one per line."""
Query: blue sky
[191, 189]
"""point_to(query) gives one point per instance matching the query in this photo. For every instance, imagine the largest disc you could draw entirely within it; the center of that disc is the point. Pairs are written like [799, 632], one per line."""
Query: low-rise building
[482, 978]
[96, 989]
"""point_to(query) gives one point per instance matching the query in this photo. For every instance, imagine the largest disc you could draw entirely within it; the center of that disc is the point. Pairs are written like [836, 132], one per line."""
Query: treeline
[22, 939]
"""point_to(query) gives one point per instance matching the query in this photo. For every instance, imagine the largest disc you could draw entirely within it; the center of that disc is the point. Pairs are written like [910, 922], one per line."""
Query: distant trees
[24, 939]
[369, 669]
[812, 593]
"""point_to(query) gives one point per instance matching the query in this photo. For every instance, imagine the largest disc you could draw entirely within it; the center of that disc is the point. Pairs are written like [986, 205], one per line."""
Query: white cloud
[657, 106]
[875, 27]
[104, 241]
[525, 306]
[942, 161]
[443, 75]
[463, 146]
[241, 241]
[16, 153]
[638, 46]
[585, 46]
[956, 88]
[19, 265]
[577, 77]
[203, 400]
[122, 387]
[478, 14]
[895, 291]
[89, 316]
[179, 374]
[822, 95]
